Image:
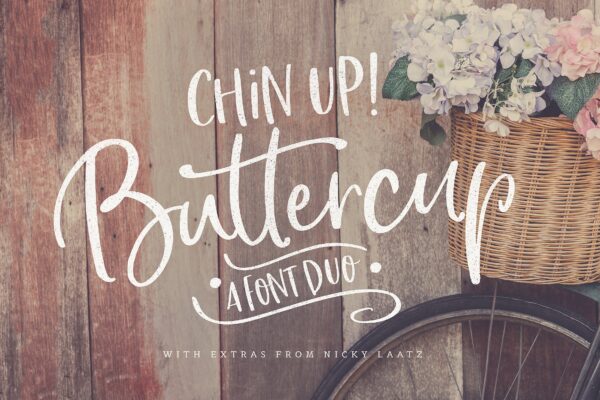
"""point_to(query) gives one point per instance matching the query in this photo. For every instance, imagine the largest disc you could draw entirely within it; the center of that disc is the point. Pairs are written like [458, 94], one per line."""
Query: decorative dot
[252, 71]
[375, 268]
[215, 283]
[373, 112]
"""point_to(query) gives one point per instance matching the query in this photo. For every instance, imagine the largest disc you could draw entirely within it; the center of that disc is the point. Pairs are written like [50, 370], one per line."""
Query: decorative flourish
[292, 254]
[353, 314]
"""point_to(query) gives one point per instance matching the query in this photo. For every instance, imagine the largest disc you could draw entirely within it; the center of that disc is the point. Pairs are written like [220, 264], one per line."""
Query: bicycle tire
[447, 310]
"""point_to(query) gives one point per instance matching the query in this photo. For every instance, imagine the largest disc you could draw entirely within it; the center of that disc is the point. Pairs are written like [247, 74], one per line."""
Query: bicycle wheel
[465, 347]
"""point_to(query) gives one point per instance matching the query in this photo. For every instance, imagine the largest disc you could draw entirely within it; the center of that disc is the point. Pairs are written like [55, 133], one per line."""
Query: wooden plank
[44, 347]
[116, 105]
[248, 36]
[136, 89]
[560, 9]
[179, 41]
[414, 255]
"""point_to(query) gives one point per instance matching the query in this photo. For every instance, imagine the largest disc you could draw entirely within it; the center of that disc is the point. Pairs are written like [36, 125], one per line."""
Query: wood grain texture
[414, 254]
[179, 41]
[274, 33]
[561, 9]
[116, 106]
[44, 349]
[125, 76]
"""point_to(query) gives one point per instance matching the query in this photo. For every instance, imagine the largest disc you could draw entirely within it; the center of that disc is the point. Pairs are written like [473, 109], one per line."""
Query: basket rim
[560, 122]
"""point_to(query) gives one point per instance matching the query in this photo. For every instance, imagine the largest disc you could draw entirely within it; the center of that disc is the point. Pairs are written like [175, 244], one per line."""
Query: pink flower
[592, 142]
[587, 123]
[576, 46]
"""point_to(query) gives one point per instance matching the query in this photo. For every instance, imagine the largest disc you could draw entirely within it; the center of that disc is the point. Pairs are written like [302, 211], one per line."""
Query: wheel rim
[436, 322]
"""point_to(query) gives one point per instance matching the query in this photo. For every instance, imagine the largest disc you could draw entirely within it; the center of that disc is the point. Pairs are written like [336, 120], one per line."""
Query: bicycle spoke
[499, 361]
[475, 357]
[514, 342]
[453, 374]
[523, 363]
[587, 366]
[520, 358]
[412, 379]
[489, 341]
[562, 375]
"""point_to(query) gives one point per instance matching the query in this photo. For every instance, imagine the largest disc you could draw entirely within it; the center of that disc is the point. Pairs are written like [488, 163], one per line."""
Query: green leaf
[525, 66]
[431, 130]
[571, 96]
[504, 75]
[397, 86]
[517, 70]
[460, 18]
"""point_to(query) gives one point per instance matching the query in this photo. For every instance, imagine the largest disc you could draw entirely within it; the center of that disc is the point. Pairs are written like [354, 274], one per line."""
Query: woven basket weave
[551, 233]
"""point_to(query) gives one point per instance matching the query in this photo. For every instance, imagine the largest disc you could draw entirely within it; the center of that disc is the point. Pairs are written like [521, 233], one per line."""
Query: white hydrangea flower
[454, 63]
[546, 70]
[525, 33]
[441, 64]
[416, 73]
[433, 99]
[440, 9]
[503, 18]
[497, 127]
[523, 101]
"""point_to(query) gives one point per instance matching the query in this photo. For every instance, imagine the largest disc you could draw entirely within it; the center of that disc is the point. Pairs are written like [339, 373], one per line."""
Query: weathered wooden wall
[413, 256]
[44, 338]
[73, 73]
[274, 33]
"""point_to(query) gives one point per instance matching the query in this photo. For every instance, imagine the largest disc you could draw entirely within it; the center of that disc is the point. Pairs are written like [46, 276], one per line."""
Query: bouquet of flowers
[508, 63]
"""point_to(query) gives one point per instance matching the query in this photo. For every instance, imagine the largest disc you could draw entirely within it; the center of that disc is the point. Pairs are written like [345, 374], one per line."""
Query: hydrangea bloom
[504, 60]
[441, 9]
[522, 101]
[587, 124]
[526, 33]
[577, 46]
[454, 63]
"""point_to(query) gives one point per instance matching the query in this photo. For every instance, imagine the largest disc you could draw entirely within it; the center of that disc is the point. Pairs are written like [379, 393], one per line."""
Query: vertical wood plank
[179, 42]
[116, 105]
[248, 36]
[414, 255]
[138, 59]
[44, 348]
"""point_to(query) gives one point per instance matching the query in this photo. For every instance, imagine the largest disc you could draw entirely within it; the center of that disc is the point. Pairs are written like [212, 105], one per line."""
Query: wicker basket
[551, 233]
